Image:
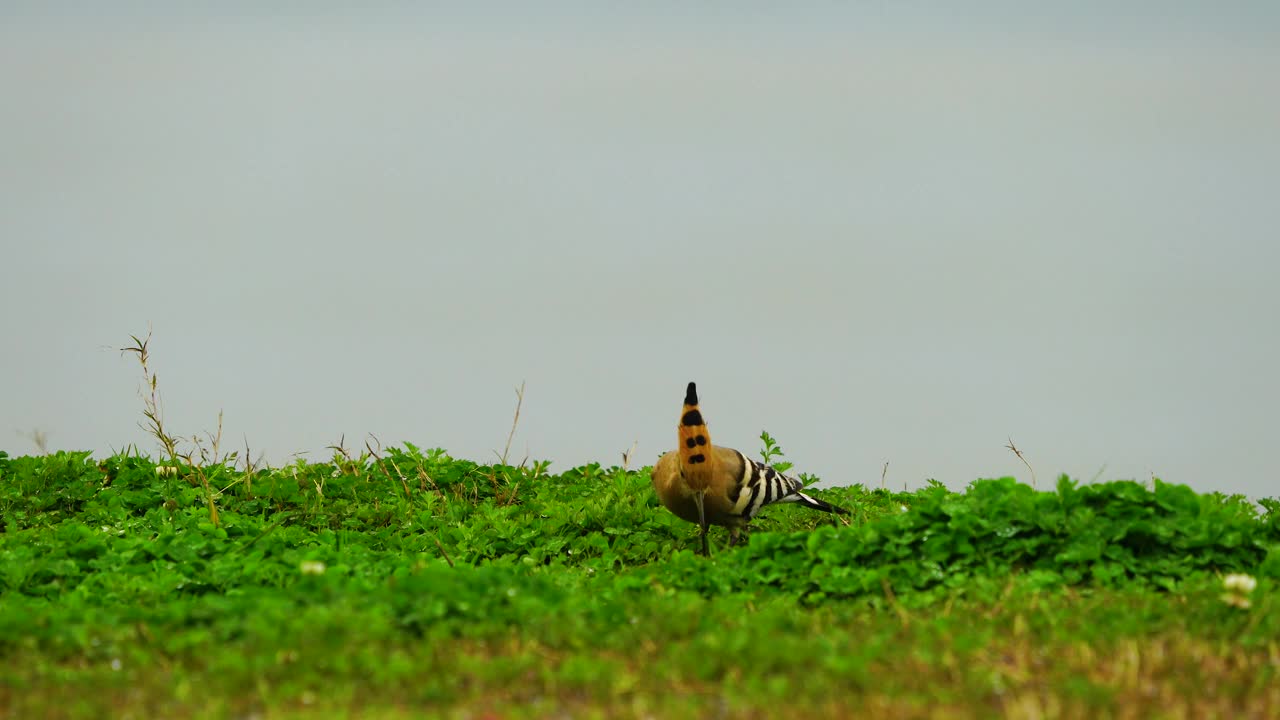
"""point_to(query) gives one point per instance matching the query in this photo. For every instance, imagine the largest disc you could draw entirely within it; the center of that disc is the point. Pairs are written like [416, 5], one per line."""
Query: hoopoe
[711, 485]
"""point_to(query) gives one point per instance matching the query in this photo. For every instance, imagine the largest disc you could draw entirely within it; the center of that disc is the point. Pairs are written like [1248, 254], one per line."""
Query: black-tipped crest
[697, 458]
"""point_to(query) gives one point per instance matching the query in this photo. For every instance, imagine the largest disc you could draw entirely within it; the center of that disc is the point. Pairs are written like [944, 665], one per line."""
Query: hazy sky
[885, 233]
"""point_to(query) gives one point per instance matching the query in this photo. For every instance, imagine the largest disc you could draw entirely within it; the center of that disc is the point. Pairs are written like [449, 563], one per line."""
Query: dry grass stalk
[1018, 452]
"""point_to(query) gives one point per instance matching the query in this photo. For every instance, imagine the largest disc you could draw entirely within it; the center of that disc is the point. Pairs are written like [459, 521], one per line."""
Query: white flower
[166, 470]
[311, 567]
[1239, 601]
[1239, 583]
[1238, 586]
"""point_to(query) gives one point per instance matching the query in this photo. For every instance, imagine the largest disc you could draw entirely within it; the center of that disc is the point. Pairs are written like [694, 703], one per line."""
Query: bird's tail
[812, 502]
[786, 488]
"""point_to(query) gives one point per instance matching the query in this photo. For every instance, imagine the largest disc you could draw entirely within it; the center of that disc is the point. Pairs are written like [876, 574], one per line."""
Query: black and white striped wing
[759, 485]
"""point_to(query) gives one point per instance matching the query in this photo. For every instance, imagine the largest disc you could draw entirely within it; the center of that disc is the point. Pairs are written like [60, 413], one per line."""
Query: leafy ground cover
[407, 583]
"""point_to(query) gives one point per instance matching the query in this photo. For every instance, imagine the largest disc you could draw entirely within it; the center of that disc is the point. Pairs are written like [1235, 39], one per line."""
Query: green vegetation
[406, 582]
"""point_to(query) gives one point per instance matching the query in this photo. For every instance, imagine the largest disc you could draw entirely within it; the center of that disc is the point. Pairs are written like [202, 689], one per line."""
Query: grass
[342, 589]
[340, 659]
[400, 582]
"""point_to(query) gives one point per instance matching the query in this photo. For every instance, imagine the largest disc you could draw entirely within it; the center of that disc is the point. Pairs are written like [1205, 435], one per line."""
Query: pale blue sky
[887, 233]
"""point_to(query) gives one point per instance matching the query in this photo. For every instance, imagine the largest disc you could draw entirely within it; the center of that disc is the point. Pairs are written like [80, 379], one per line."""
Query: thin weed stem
[514, 422]
[152, 411]
[1018, 452]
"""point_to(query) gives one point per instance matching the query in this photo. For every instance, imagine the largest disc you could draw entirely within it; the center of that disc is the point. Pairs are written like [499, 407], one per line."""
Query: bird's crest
[696, 458]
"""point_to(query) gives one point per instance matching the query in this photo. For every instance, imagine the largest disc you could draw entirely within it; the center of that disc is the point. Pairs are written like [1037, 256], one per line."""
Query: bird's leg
[702, 520]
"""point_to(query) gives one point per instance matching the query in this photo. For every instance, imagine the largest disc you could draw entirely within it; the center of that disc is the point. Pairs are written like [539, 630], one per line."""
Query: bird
[711, 485]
